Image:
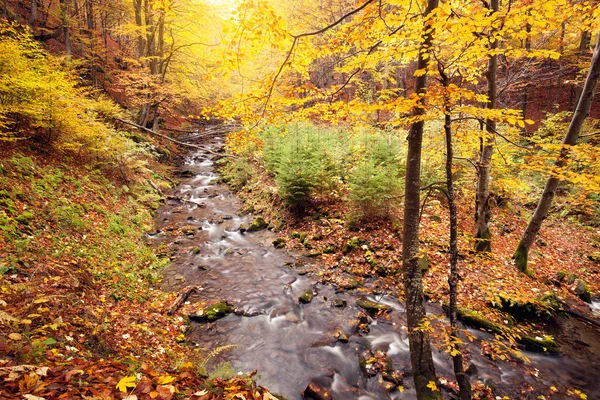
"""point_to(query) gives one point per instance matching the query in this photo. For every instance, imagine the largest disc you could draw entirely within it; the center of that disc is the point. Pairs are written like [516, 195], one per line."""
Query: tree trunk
[420, 348]
[64, 19]
[33, 17]
[89, 11]
[457, 358]
[141, 44]
[581, 113]
[483, 237]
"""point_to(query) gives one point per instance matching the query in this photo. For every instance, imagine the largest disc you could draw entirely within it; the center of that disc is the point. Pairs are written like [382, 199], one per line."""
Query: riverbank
[81, 309]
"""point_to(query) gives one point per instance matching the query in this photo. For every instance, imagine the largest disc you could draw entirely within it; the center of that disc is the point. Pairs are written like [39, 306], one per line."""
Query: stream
[290, 343]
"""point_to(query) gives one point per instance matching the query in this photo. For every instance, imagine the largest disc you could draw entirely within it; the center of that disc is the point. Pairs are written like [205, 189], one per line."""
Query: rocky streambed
[306, 340]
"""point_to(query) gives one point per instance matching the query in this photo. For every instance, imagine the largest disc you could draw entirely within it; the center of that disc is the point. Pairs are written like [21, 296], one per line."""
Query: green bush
[376, 182]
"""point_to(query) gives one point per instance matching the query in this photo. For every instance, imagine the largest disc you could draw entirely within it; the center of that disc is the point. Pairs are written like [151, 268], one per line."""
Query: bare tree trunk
[141, 44]
[34, 12]
[457, 358]
[483, 236]
[420, 348]
[64, 20]
[581, 113]
[89, 10]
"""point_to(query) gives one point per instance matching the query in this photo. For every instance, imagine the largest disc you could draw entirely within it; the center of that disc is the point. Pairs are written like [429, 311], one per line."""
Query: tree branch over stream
[193, 146]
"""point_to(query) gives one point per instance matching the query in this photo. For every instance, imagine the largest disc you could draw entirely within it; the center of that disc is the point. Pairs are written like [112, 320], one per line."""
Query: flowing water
[290, 343]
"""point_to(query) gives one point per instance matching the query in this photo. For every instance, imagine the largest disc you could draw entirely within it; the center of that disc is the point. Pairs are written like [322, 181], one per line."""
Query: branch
[306, 34]
[468, 160]
[589, 135]
[339, 21]
[194, 146]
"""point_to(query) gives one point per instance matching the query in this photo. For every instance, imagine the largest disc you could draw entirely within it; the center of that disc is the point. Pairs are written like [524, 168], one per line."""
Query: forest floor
[81, 312]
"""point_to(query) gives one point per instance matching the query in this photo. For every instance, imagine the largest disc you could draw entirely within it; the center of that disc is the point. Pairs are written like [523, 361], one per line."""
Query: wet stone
[306, 297]
[212, 313]
[339, 303]
[341, 337]
[372, 307]
[314, 391]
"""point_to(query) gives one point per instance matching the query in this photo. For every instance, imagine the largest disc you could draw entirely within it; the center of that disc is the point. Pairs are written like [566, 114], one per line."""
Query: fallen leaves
[126, 382]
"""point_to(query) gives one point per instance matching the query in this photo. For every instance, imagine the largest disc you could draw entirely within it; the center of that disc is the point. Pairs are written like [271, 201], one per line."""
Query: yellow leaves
[420, 72]
[15, 336]
[126, 382]
[433, 386]
[165, 379]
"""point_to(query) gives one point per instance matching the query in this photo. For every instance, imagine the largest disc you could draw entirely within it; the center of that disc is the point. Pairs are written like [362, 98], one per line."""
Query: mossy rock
[372, 307]
[279, 243]
[313, 254]
[595, 257]
[258, 224]
[561, 276]
[212, 313]
[306, 297]
[339, 303]
[352, 244]
[317, 237]
[571, 279]
[522, 310]
[185, 173]
[328, 249]
[295, 235]
[195, 250]
[242, 228]
[538, 344]
[582, 291]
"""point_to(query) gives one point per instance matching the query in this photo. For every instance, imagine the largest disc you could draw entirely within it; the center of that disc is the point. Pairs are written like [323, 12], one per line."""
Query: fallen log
[193, 146]
[182, 298]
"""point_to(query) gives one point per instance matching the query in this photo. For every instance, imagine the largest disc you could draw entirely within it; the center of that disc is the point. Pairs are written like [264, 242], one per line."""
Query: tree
[420, 349]
[482, 213]
[581, 113]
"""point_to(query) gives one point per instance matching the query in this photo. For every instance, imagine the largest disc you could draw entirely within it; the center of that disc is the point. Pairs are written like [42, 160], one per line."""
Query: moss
[582, 291]
[352, 244]
[258, 224]
[328, 249]
[483, 242]
[520, 257]
[544, 345]
[212, 313]
[372, 307]
[279, 243]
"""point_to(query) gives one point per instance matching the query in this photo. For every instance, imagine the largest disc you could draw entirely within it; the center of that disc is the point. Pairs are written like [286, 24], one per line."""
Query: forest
[294, 199]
